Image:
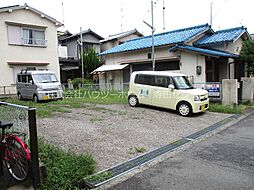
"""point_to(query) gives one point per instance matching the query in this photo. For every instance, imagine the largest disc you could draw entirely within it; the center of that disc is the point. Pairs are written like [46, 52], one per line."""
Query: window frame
[44, 41]
[137, 80]
[169, 79]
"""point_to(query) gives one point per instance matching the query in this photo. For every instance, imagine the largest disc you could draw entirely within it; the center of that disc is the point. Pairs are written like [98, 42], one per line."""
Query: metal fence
[8, 91]
[99, 86]
[24, 124]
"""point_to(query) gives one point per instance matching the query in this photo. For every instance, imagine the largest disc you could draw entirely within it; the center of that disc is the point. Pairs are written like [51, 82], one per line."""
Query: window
[23, 78]
[33, 37]
[145, 79]
[163, 81]
[182, 82]
[45, 78]
[18, 35]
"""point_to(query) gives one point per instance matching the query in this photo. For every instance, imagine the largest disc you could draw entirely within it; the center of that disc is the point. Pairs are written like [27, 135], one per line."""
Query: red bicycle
[16, 155]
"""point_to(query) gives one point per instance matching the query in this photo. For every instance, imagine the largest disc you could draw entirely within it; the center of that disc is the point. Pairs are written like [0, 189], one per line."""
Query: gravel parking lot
[115, 133]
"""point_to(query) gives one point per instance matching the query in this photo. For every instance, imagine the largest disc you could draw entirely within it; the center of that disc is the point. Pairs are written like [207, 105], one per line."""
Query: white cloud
[104, 16]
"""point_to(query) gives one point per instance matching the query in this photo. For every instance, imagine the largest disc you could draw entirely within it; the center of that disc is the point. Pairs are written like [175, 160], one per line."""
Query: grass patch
[216, 107]
[95, 119]
[75, 99]
[63, 168]
[98, 177]
[136, 150]
[248, 103]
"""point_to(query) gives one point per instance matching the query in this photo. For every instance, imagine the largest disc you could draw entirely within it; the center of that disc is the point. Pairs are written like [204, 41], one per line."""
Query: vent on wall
[149, 56]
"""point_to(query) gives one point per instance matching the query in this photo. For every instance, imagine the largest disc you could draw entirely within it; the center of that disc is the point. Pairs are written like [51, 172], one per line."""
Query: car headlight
[60, 87]
[39, 87]
[196, 98]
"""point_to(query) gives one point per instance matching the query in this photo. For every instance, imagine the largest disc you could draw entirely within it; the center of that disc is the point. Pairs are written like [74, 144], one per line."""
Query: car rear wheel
[184, 109]
[19, 96]
[35, 98]
[133, 101]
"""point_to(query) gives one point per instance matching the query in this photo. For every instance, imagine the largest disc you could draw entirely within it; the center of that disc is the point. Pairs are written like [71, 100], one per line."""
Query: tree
[91, 60]
[247, 55]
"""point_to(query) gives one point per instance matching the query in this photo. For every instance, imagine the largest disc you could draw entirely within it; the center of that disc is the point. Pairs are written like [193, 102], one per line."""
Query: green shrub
[78, 81]
[64, 169]
[216, 107]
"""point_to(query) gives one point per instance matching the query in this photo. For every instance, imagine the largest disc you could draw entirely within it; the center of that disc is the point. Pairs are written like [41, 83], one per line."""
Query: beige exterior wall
[21, 53]
[112, 80]
[140, 56]
[232, 47]
[189, 62]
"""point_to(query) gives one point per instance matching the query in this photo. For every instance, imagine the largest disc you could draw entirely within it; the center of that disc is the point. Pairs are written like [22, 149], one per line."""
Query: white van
[168, 90]
[38, 85]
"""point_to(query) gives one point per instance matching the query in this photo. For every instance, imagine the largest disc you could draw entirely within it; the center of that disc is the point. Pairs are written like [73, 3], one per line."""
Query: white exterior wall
[141, 55]
[20, 53]
[189, 61]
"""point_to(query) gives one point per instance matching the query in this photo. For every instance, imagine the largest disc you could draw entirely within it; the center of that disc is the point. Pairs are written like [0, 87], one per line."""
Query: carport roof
[105, 68]
[202, 51]
[167, 38]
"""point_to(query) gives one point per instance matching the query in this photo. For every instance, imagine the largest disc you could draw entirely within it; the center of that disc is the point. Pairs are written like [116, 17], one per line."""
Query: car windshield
[44, 78]
[182, 82]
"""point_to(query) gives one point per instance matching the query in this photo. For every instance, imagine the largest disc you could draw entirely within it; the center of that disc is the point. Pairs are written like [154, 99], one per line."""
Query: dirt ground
[114, 133]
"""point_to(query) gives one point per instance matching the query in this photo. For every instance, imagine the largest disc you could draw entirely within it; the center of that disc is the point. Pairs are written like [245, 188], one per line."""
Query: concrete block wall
[229, 91]
[247, 89]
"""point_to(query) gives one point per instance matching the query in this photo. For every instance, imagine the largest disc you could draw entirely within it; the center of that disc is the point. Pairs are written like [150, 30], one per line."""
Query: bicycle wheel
[15, 159]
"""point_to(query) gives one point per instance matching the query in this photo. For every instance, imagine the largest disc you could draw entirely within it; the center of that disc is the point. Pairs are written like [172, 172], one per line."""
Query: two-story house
[70, 65]
[28, 40]
[118, 39]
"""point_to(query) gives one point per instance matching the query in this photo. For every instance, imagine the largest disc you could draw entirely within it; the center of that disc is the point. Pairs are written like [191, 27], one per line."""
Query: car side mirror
[171, 86]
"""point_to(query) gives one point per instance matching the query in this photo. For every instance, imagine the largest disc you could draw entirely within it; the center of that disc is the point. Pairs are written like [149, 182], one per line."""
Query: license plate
[203, 107]
[45, 97]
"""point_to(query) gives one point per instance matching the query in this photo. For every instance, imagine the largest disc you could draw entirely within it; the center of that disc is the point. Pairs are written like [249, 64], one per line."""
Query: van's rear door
[144, 86]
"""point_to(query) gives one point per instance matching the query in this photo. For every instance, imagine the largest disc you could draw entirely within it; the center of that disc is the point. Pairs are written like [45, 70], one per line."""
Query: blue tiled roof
[204, 51]
[221, 36]
[172, 37]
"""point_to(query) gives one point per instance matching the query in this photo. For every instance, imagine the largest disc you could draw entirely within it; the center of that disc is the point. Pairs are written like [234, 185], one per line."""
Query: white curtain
[39, 37]
[26, 36]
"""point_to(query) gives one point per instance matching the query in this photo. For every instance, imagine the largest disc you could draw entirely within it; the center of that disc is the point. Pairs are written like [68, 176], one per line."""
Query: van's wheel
[35, 98]
[133, 101]
[184, 109]
[19, 96]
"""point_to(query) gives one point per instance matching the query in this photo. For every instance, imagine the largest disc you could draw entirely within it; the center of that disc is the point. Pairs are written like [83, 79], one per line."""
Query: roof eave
[175, 48]
[213, 43]
[43, 15]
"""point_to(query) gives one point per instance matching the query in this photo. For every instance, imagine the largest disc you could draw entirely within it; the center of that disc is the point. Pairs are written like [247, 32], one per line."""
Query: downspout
[229, 68]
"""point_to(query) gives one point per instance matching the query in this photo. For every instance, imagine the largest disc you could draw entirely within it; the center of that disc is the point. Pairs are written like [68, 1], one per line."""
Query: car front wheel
[184, 109]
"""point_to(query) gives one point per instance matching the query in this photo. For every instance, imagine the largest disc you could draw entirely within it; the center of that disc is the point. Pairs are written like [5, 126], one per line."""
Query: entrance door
[212, 70]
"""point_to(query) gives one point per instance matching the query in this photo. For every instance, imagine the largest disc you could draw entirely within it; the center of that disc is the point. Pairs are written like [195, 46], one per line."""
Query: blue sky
[105, 16]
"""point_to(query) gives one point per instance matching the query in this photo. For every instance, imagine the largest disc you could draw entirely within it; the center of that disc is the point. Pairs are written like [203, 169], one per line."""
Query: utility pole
[211, 14]
[153, 30]
[81, 56]
[164, 16]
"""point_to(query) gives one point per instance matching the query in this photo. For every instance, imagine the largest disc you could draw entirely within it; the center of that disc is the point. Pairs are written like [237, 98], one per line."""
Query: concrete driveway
[224, 161]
